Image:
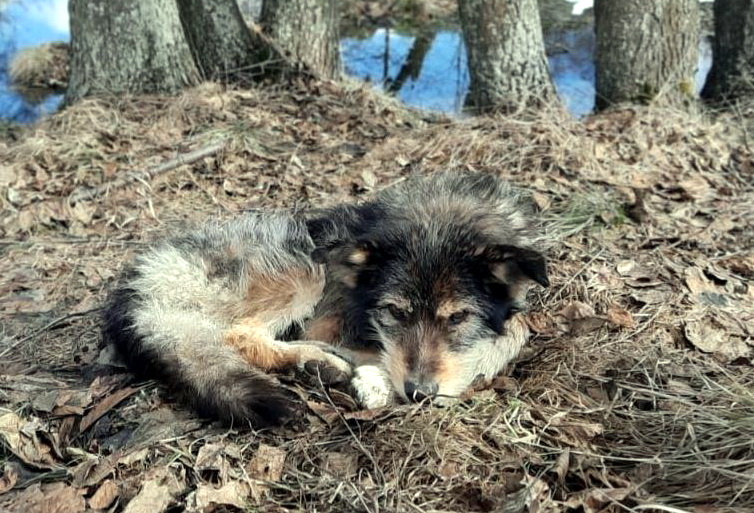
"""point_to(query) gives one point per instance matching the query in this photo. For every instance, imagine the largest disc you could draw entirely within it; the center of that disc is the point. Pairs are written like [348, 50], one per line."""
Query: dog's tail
[182, 349]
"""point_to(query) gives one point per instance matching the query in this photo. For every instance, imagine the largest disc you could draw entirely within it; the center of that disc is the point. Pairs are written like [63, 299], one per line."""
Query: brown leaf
[104, 496]
[697, 282]
[706, 336]
[212, 457]
[620, 317]
[160, 488]
[576, 310]
[7, 176]
[104, 406]
[562, 465]
[324, 411]
[540, 322]
[50, 498]
[93, 470]
[206, 497]
[152, 498]
[267, 464]
[587, 325]
[9, 478]
[84, 212]
[21, 437]
[341, 465]
[697, 188]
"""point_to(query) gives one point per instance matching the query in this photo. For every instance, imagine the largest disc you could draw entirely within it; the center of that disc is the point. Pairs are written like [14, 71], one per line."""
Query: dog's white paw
[371, 387]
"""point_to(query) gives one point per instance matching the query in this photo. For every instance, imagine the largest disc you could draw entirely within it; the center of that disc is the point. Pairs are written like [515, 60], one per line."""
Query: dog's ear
[507, 261]
[347, 259]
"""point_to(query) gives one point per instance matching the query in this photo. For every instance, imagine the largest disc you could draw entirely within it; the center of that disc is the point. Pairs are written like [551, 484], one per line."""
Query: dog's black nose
[420, 391]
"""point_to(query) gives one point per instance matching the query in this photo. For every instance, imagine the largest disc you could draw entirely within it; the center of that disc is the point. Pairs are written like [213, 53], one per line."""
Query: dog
[410, 296]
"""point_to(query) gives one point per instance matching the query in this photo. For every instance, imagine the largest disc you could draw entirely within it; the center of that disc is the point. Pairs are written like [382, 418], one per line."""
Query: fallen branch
[181, 160]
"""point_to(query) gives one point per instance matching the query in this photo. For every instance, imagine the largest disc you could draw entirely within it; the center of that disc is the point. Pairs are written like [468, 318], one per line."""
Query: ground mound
[636, 393]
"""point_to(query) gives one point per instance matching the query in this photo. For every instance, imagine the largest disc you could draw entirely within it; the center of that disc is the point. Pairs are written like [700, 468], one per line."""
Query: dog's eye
[458, 317]
[397, 313]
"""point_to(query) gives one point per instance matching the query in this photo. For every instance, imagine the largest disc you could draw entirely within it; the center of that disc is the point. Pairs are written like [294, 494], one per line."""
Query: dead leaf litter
[636, 392]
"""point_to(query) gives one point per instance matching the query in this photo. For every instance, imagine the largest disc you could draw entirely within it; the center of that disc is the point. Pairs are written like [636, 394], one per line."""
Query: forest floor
[635, 394]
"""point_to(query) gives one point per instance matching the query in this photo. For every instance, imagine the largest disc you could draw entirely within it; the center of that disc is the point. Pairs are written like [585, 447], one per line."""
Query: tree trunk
[647, 51]
[307, 30]
[127, 47]
[220, 40]
[506, 54]
[412, 67]
[732, 73]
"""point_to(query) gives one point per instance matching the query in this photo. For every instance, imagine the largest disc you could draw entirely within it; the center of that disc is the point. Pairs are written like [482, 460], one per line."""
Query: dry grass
[42, 66]
[634, 395]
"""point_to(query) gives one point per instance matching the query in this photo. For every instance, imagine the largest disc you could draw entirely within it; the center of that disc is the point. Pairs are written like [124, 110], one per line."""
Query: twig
[181, 160]
[46, 327]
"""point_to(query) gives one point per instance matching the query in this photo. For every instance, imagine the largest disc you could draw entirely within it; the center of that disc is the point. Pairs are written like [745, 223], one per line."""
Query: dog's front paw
[322, 363]
[371, 387]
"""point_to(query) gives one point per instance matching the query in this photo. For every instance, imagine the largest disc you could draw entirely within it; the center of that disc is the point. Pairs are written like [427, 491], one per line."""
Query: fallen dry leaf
[93, 470]
[152, 498]
[341, 465]
[620, 317]
[21, 437]
[576, 310]
[595, 499]
[562, 465]
[50, 498]
[104, 496]
[709, 338]
[234, 493]
[697, 282]
[161, 487]
[267, 464]
[211, 457]
[9, 477]
[104, 406]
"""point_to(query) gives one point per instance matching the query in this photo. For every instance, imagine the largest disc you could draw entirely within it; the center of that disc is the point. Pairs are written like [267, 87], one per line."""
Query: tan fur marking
[449, 307]
[518, 289]
[251, 340]
[274, 294]
[400, 302]
[327, 329]
[448, 368]
[501, 271]
[364, 356]
[359, 256]
[395, 363]
[268, 294]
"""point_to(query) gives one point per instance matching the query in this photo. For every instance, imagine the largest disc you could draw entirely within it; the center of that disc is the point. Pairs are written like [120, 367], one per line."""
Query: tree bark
[307, 30]
[127, 47]
[220, 40]
[506, 54]
[647, 51]
[732, 73]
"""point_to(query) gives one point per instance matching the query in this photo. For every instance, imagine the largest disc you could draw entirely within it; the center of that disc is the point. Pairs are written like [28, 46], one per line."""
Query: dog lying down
[410, 296]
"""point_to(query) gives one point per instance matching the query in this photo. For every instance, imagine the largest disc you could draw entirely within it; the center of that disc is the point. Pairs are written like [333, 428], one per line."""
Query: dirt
[636, 392]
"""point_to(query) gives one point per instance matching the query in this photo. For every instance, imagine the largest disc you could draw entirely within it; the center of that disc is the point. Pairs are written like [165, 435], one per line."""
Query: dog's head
[434, 284]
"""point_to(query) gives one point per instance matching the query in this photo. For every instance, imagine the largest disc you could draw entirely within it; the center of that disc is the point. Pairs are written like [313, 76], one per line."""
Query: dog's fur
[418, 288]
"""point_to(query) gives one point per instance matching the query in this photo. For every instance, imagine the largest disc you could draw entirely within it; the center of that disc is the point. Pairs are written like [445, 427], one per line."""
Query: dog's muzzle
[420, 391]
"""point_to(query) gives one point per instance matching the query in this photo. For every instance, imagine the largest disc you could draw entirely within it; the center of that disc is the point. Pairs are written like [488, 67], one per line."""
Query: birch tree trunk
[127, 47]
[732, 73]
[647, 51]
[307, 30]
[506, 54]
